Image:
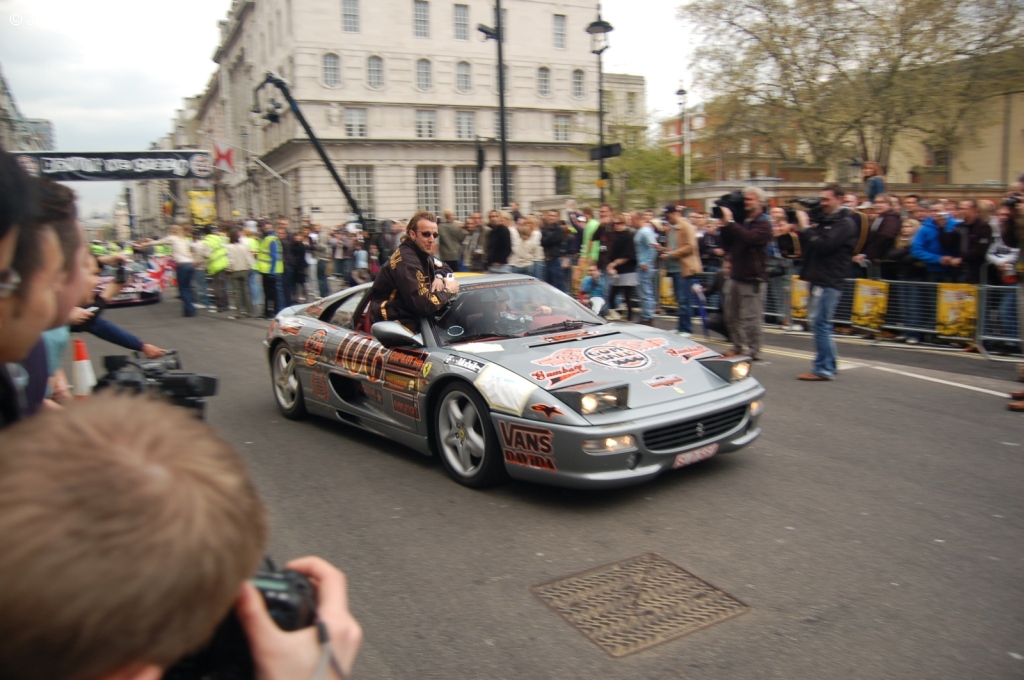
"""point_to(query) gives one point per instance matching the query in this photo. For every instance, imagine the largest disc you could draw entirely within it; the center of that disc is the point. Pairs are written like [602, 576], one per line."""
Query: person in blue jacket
[937, 245]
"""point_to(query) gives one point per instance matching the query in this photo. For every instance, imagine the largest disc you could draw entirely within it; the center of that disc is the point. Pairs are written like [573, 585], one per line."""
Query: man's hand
[152, 351]
[451, 285]
[437, 285]
[79, 315]
[859, 258]
[726, 215]
[955, 261]
[281, 655]
[643, 267]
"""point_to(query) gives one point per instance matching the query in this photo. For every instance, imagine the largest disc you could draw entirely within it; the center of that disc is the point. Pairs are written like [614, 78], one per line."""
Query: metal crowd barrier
[982, 313]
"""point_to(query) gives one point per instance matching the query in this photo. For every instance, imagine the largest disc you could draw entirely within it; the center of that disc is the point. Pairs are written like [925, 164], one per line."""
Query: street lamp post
[496, 35]
[599, 31]
[681, 93]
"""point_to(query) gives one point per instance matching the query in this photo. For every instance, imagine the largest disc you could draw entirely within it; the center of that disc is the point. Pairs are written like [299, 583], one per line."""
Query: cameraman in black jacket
[828, 249]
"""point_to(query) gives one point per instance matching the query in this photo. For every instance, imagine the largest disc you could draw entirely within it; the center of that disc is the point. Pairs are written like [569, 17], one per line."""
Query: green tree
[641, 175]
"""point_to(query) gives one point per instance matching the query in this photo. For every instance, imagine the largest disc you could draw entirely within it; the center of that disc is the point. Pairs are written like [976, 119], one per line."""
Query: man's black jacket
[401, 291]
[828, 249]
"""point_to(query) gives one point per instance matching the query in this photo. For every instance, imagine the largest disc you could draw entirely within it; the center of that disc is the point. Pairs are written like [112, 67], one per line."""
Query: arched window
[332, 70]
[375, 72]
[578, 88]
[463, 76]
[544, 81]
[424, 77]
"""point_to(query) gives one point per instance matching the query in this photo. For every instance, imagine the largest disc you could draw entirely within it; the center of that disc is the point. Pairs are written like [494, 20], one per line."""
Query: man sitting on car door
[414, 282]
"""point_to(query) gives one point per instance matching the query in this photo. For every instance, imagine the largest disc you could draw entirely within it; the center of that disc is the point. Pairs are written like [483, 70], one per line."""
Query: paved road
[875, 529]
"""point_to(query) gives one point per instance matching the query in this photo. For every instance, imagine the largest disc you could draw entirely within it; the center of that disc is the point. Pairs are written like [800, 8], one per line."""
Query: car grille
[683, 434]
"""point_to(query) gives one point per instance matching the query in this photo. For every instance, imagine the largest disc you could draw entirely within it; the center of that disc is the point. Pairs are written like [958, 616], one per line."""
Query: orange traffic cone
[82, 375]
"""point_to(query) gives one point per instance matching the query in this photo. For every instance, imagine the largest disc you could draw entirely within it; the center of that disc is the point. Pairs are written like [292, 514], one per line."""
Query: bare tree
[849, 77]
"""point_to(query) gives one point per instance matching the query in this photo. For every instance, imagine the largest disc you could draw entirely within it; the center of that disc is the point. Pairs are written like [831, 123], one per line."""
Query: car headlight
[605, 445]
[756, 407]
[729, 369]
[597, 399]
[740, 370]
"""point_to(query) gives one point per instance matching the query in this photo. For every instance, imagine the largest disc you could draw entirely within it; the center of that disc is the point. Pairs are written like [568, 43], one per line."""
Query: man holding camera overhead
[745, 290]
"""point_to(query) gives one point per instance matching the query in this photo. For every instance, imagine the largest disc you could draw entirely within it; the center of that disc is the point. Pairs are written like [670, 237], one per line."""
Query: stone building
[18, 133]
[400, 92]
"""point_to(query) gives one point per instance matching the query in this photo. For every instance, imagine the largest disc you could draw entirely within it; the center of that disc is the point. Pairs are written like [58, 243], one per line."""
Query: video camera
[734, 202]
[161, 376]
[812, 206]
[291, 602]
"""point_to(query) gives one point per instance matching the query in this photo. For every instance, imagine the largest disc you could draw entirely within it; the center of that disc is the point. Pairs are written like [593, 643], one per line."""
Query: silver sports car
[515, 378]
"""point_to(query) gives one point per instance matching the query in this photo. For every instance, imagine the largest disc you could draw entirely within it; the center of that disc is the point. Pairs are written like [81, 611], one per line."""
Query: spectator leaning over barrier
[745, 289]
[828, 249]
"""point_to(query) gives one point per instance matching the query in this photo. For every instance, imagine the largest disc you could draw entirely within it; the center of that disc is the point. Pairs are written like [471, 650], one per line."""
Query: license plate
[123, 297]
[690, 457]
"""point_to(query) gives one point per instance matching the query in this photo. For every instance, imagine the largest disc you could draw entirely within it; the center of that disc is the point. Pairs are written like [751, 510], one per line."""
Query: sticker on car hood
[479, 347]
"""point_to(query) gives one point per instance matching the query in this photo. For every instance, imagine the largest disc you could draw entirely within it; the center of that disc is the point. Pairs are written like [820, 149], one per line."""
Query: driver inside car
[494, 317]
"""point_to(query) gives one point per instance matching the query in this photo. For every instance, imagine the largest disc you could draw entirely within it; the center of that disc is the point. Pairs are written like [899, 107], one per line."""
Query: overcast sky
[109, 74]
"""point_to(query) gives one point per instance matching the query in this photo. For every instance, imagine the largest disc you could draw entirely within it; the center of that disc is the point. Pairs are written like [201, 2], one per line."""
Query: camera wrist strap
[327, 658]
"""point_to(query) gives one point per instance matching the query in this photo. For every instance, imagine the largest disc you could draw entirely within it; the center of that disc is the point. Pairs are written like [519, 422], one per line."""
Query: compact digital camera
[291, 602]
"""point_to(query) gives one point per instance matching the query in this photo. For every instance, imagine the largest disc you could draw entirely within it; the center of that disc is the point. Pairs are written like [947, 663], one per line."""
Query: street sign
[609, 151]
[601, 183]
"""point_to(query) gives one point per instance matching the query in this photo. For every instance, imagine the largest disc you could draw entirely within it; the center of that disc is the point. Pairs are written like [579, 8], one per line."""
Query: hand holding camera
[296, 654]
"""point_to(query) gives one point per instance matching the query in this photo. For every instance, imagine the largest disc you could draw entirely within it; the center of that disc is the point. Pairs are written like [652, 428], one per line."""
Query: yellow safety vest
[217, 260]
[263, 257]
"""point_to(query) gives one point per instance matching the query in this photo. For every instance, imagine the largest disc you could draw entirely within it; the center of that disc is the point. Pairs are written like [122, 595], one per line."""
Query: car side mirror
[394, 334]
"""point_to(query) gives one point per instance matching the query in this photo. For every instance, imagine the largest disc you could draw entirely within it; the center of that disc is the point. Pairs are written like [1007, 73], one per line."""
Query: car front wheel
[466, 439]
[287, 388]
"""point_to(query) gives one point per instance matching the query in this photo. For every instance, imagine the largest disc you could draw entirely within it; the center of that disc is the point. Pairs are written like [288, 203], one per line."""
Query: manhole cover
[637, 603]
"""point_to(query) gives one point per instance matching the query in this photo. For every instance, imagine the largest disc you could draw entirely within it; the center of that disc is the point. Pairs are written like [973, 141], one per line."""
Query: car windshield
[510, 310]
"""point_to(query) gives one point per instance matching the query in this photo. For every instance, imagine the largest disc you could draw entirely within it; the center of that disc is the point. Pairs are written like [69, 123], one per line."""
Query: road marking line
[843, 365]
[1005, 395]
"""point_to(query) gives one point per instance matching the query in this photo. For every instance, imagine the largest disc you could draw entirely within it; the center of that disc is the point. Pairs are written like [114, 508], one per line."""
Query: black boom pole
[281, 84]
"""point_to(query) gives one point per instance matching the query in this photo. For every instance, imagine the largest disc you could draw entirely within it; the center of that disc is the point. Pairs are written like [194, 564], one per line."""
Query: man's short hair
[126, 528]
[414, 222]
[836, 190]
[57, 208]
[913, 196]
[762, 196]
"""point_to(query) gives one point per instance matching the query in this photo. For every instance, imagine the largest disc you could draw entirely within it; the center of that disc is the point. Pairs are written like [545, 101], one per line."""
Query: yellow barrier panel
[957, 310]
[870, 303]
[801, 292]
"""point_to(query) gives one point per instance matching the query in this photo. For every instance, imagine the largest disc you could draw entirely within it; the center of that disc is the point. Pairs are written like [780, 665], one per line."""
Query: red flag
[223, 157]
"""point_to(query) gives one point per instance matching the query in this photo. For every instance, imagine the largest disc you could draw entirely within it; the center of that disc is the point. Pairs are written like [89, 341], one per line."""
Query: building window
[375, 72]
[462, 22]
[559, 28]
[563, 180]
[607, 100]
[631, 103]
[496, 185]
[504, 23]
[332, 70]
[426, 124]
[424, 77]
[544, 81]
[467, 191]
[508, 125]
[465, 125]
[578, 89]
[360, 183]
[428, 188]
[563, 127]
[350, 16]
[355, 122]
[421, 18]
[463, 76]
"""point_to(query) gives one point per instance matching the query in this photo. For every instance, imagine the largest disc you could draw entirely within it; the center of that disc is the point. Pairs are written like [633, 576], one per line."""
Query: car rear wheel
[287, 388]
[466, 439]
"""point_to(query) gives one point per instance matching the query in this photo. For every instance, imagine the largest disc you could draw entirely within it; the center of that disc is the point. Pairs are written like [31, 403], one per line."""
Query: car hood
[657, 365]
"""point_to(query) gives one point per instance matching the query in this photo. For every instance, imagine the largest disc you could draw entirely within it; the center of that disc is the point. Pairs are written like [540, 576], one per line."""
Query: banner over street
[67, 166]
